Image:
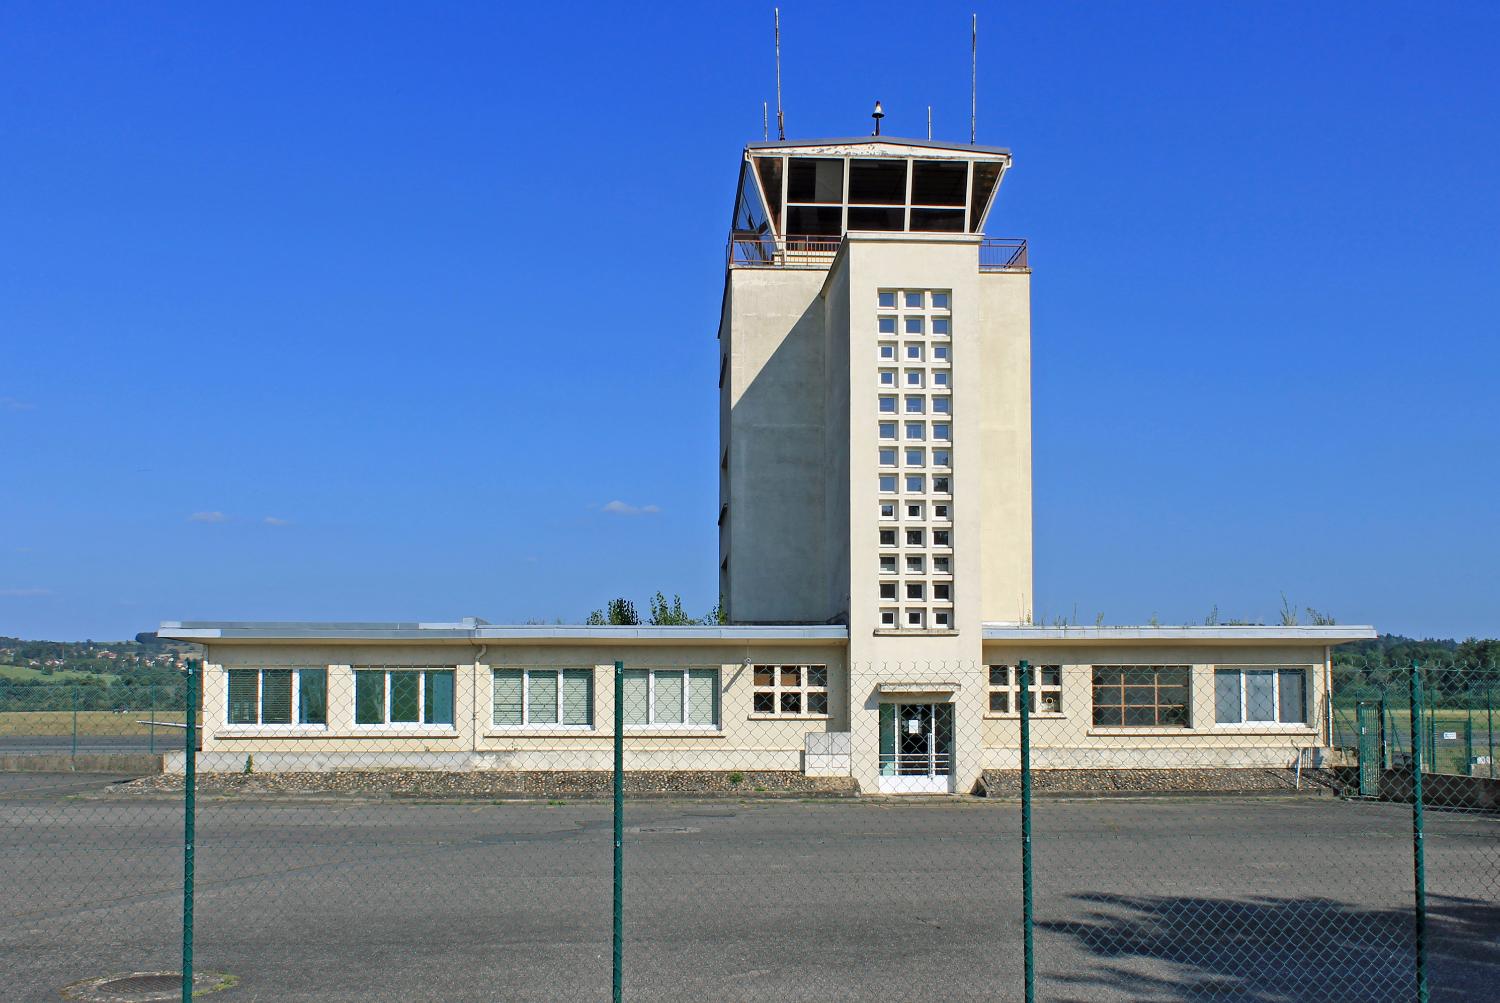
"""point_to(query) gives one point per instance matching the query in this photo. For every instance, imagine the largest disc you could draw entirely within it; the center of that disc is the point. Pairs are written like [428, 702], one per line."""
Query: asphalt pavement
[1149, 899]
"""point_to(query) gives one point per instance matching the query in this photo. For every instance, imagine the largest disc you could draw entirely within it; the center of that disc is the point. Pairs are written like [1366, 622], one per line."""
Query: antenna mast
[929, 123]
[973, 79]
[780, 118]
[765, 122]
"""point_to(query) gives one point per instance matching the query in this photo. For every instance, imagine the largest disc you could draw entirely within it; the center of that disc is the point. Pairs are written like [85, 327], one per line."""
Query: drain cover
[145, 987]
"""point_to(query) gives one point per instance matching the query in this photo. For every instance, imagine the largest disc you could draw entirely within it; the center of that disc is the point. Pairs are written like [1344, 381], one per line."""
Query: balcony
[996, 254]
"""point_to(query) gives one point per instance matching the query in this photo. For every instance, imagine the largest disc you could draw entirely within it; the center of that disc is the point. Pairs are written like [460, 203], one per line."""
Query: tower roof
[877, 146]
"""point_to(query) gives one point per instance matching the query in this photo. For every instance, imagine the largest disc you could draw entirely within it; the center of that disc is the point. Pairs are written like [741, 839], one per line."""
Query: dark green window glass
[369, 697]
[312, 696]
[276, 696]
[243, 689]
[437, 698]
[405, 697]
[1293, 696]
[1227, 696]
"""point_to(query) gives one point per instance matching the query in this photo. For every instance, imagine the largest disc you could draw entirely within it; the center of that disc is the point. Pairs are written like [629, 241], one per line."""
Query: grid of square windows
[915, 328]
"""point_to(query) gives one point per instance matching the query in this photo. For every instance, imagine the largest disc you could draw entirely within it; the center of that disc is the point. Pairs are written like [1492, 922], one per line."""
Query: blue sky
[280, 285]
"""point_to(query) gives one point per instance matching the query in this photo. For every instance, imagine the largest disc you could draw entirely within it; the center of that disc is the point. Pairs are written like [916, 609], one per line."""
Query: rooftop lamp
[877, 115]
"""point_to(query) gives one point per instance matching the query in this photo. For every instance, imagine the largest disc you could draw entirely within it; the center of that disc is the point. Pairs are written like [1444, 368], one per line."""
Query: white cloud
[208, 517]
[24, 593]
[272, 520]
[618, 507]
[12, 404]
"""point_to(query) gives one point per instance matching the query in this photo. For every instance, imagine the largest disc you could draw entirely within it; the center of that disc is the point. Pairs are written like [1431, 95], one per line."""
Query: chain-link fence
[529, 828]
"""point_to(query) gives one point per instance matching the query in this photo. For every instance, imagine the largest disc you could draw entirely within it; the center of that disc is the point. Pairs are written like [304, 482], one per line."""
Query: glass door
[916, 747]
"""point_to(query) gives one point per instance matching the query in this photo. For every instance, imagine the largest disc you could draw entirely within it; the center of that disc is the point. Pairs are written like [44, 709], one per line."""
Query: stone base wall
[504, 783]
[1007, 783]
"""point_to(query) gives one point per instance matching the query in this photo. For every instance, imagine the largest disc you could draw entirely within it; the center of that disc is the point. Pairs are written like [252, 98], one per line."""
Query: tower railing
[765, 250]
[1003, 254]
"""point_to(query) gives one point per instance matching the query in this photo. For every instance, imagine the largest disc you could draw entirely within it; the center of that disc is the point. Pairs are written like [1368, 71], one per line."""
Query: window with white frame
[277, 697]
[791, 690]
[535, 697]
[407, 697]
[672, 698]
[1260, 695]
[1045, 687]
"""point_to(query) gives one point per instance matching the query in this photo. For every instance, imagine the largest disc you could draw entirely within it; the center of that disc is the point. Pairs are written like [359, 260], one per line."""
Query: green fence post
[1419, 872]
[74, 753]
[1027, 914]
[1489, 723]
[619, 917]
[152, 718]
[1385, 749]
[1469, 732]
[189, 783]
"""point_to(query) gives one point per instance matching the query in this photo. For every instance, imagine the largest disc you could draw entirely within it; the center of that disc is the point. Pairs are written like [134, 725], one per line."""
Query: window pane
[1000, 703]
[999, 675]
[868, 218]
[542, 696]
[882, 182]
[506, 708]
[438, 698]
[940, 182]
[813, 179]
[1260, 696]
[312, 696]
[985, 176]
[578, 696]
[703, 697]
[817, 703]
[668, 706]
[636, 701]
[1051, 675]
[1293, 696]
[791, 703]
[765, 703]
[242, 687]
[815, 221]
[937, 220]
[791, 675]
[1227, 696]
[769, 169]
[817, 675]
[276, 696]
[404, 697]
[369, 697]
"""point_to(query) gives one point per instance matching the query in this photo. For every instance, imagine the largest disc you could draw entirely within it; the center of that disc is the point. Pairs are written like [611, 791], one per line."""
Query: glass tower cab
[799, 198]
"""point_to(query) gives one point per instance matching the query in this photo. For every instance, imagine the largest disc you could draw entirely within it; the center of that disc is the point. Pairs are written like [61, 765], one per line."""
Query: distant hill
[144, 660]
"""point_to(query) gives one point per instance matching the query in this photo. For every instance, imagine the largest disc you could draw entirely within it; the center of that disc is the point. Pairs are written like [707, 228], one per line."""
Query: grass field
[26, 674]
[90, 722]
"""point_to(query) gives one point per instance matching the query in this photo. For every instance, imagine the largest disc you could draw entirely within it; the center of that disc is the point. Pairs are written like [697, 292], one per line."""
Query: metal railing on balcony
[764, 250]
[1003, 254]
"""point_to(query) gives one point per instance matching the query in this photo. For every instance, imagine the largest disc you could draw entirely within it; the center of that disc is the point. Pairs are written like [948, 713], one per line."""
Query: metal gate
[1371, 720]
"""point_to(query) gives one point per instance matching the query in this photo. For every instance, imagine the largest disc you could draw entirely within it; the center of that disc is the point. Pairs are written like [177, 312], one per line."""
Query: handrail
[767, 250]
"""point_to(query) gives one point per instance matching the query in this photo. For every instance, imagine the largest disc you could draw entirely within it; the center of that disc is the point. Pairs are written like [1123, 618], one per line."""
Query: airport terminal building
[875, 553]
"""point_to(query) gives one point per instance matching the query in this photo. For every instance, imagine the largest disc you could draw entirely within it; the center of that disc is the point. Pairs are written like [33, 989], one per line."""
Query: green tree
[618, 612]
[664, 614]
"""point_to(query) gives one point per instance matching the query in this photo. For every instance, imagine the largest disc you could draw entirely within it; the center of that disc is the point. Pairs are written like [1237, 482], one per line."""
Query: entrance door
[916, 748]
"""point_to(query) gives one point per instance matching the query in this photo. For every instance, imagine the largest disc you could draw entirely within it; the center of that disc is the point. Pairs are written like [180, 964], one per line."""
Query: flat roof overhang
[1331, 634]
[475, 631]
[875, 146]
